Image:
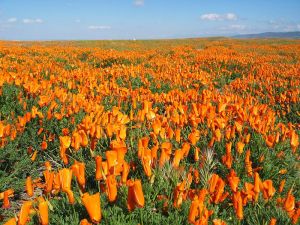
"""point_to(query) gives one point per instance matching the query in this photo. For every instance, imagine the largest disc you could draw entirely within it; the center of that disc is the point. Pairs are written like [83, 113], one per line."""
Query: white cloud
[218, 17]
[230, 16]
[12, 20]
[28, 21]
[282, 25]
[96, 27]
[139, 2]
[237, 26]
[211, 16]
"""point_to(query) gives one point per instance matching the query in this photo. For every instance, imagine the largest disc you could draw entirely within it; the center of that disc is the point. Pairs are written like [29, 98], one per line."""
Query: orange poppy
[177, 158]
[85, 222]
[281, 186]
[93, 206]
[43, 211]
[24, 213]
[240, 147]
[29, 187]
[268, 190]
[98, 160]
[289, 203]
[294, 141]
[233, 180]
[146, 162]
[111, 187]
[11, 221]
[6, 203]
[194, 136]
[78, 169]
[125, 172]
[273, 221]
[218, 222]
[135, 194]
[238, 205]
[49, 177]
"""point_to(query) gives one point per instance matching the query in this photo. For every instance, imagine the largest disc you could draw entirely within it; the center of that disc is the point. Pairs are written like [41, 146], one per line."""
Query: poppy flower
[294, 141]
[135, 195]
[289, 203]
[34, 155]
[111, 187]
[85, 222]
[24, 213]
[43, 211]
[63, 155]
[156, 125]
[98, 160]
[233, 180]
[273, 221]
[78, 169]
[218, 195]
[76, 141]
[240, 147]
[146, 162]
[29, 187]
[65, 176]
[227, 158]
[56, 182]
[238, 126]
[65, 141]
[70, 195]
[112, 160]
[179, 194]
[49, 177]
[6, 203]
[164, 157]
[270, 141]
[257, 183]
[196, 155]
[248, 164]
[84, 138]
[194, 210]
[185, 149]
[281, 186]
[218, 222]
[5, 196]
[177, 158]
[218, 135]
[93, 206]
[268, 189]
[177, 135]
[11, 221]
[154, 150]
[238, 205]
[125, 172]
[48, 166]
[44, 145]
[194, 136]
[213, 182]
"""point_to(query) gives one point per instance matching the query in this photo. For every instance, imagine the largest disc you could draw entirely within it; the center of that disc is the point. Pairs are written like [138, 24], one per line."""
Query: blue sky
[143, 19]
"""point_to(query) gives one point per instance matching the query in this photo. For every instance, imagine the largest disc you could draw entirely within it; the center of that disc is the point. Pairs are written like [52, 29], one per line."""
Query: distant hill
[292, 35]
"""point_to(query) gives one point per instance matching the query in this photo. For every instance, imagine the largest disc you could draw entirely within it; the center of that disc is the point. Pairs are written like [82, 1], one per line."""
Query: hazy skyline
[143, 19]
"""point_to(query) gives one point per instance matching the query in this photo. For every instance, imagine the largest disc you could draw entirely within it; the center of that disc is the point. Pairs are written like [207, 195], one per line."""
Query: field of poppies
[191, 131]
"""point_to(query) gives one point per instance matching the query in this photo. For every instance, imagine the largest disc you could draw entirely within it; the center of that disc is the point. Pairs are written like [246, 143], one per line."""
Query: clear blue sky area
[143, 19]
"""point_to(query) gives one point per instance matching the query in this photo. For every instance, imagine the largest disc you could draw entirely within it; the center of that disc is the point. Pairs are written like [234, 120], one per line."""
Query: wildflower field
[191, 131]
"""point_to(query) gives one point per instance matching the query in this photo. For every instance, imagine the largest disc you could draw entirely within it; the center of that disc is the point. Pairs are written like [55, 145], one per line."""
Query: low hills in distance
[291, 35]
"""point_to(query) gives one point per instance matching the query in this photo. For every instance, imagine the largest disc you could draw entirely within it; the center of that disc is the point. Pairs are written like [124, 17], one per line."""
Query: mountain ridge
[290, 35]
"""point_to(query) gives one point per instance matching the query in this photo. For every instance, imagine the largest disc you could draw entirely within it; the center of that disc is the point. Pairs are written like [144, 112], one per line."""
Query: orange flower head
[93, 206]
